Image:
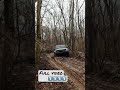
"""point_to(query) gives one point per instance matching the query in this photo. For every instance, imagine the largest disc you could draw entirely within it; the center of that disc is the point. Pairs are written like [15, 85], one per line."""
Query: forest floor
[74, 68]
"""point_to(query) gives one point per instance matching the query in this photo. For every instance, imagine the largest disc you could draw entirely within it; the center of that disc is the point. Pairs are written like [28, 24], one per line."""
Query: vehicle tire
[67, 55]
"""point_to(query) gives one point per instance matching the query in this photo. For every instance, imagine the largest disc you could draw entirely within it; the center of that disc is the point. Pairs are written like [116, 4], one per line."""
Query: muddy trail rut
[73, 67]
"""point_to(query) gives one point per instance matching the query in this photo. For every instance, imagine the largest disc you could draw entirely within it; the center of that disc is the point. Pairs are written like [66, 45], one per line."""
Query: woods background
[102, 44]
[17, 58]
[102, 24]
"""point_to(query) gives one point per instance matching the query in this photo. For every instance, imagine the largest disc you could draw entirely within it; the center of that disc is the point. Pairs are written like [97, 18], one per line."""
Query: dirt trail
[70, 69]
[73, 67]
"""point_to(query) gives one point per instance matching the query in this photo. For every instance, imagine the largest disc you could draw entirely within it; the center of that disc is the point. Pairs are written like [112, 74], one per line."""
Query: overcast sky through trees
[50, 7]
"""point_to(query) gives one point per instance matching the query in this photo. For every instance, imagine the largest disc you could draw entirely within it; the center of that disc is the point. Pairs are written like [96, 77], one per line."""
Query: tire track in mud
[76, 66]
[73, 75]
[72, 69]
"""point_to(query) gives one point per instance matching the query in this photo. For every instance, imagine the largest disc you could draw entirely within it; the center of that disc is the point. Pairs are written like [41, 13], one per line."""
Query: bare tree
[39, 5]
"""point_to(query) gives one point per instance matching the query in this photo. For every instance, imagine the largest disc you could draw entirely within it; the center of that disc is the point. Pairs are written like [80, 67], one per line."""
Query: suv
[61, 50]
